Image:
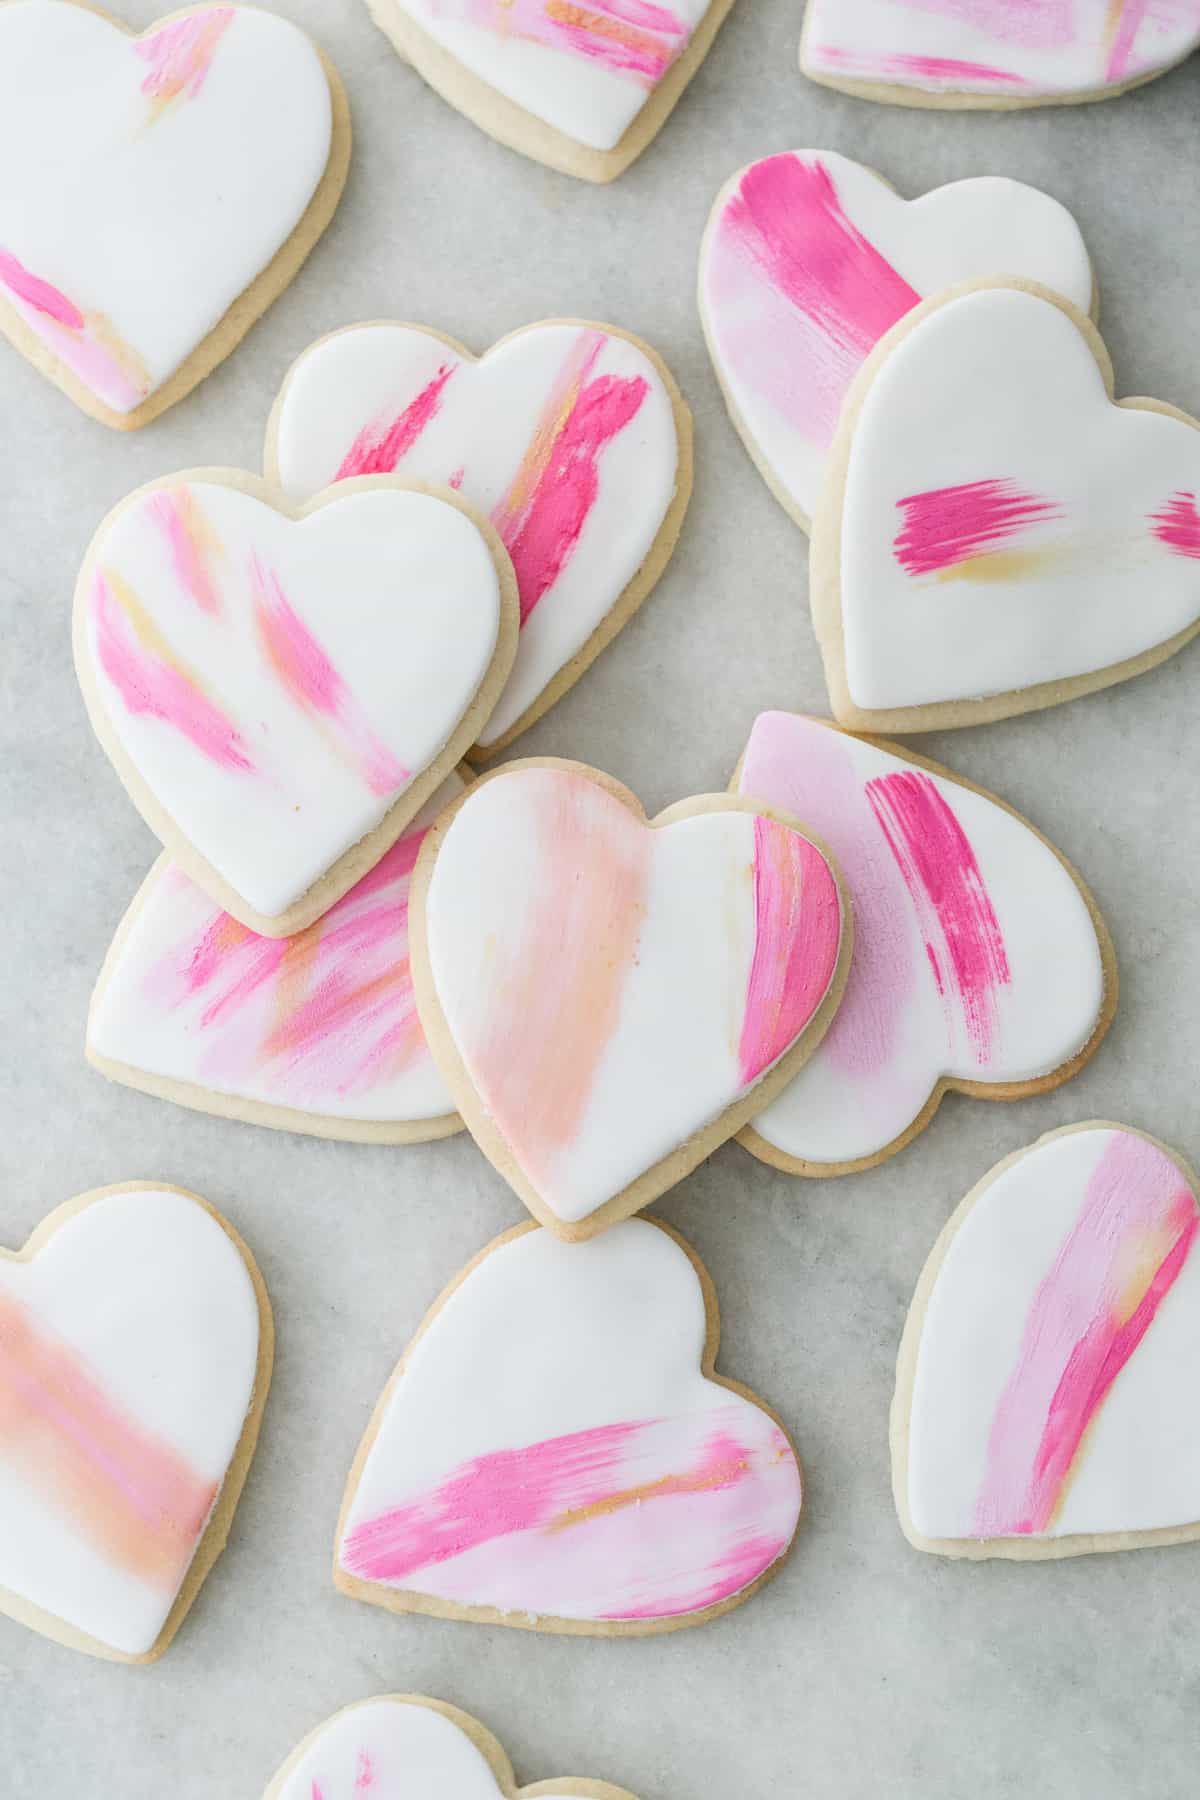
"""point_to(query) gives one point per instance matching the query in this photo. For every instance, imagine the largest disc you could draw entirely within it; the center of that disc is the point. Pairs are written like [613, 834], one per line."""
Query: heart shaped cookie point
[556, 1451]
[282, 693]
[1043, 1395]
[996, 535]
[135, 1356]
[980, 964]
[608, 999]
[121, 277]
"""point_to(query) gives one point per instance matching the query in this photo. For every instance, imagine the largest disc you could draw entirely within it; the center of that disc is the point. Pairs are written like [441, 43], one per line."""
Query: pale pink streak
[948, 69]
[69, 333]
[627, 37]
[797, 935]
[180, 53]
[178, 514]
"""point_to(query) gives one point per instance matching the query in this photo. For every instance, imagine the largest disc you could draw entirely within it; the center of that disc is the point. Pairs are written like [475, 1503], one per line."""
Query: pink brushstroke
[310, 678]
[379, 448]
[180, 53]
[148, 685]
[364, 1779]
[1028, 24]
[946, 526]
[176, 513]
[797, 934]
[627, 37]
[1178, 525]
[39, 294]
[66, 330]
[935, 69]
[1116, 1266]
[1121, 53]
[963, 940]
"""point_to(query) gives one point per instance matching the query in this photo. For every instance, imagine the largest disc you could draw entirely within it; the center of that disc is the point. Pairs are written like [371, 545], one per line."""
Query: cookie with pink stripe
[809, 258]
[283, 689]
[135, 1355]
[992, 53]
[1044, 1390]
[981, 964]
[405, 1747]
[572, 438]
[610, 997]
[556, 1452]
[996, 534]
[125, 275]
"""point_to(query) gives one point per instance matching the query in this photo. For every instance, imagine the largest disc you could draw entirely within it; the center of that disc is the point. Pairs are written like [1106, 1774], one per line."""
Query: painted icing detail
[564, 435]
[278, 684]
[585, 67]
[975, 955]
[995, 48]
[552, 1446]
[1054, 1365]
[324, 1022]
[1004, 524]
[611, 988]
[128, 1352]
[810, 258]
[118, 246]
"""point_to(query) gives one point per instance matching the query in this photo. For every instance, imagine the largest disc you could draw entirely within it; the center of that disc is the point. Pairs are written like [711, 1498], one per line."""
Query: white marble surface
[865, 1669]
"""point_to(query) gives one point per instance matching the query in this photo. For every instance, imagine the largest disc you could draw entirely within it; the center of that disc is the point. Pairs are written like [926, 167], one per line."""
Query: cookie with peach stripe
[405, 1747]
[1044, 1390]
[809, 258]
[556, 1452]
[283, 689]
[994, 54]
[315, 1033]
[135, 1355]
[610, 997]
[573, 438]
[981, 963]
[125, 275]
[583, 88]
[996, 533]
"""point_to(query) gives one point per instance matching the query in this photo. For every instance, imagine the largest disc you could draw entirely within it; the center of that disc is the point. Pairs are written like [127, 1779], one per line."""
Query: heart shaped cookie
[608, 998]
[282, 692]
[581, 88]
[573, 439]
[981, 965]
[404, 1747]
[316, 1033]
[1044, 1394]
[995, 534]
[555, 1452]
[126, 275]
[810, 258]
[991, 53]
[135, 1357]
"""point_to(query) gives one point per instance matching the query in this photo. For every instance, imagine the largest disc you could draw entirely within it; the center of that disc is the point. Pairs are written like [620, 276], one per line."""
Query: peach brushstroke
[542, 515]
[554, 1008]
[379, 448]
[85, 342]
[152, 682]
[192, 542]
[1178, 525]
[133, 1498]
[797, 934]
[962, 935]
[180, 55]
[632, 38]
[308, 676]
[962, 527]
[1116, 1266]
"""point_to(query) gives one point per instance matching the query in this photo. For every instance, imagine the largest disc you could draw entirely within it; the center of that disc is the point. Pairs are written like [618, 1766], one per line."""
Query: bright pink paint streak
[176, 513]
[946, 69]
[950, 525]
[543, 515]
[962, 935]
[1118, 1263]
[1178, 525]
[39, 294]
[364, 1781]
[61, 325]
[180, 54]
[628, 37]
[378, 449]
[797, 932]
[309, 676]
[148, 685]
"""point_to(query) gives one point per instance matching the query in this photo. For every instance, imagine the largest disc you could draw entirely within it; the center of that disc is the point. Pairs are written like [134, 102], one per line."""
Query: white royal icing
[1027, 52]
[127, 1368]
[553, 1447]
[611, 988]
[148, 180]
[975, 955]
[323, 1023]
[810, 257]
[1004, 524]
[563, 434]
[279, 684]
[1056, 1367]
